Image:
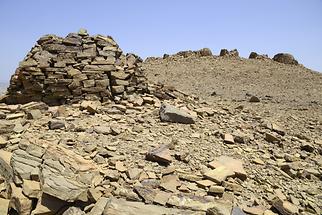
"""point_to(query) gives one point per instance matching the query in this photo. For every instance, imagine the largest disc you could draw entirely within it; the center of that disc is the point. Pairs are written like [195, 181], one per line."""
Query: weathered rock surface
[169, 113]
[285, 58]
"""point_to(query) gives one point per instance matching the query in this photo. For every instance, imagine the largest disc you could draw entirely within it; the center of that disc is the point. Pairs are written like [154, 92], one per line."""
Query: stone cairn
[59, 70]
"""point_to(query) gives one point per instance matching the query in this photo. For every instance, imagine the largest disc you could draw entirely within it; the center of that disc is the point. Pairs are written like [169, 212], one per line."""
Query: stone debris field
[87, 129]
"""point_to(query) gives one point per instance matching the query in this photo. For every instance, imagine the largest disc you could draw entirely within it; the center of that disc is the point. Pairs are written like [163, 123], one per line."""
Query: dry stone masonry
[77, 67]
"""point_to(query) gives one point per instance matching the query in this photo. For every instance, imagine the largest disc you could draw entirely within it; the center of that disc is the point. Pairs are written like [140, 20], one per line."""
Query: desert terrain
[209, 135]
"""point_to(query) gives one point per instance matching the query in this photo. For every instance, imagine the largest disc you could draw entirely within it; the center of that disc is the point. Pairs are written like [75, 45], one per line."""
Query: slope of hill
[234, 78]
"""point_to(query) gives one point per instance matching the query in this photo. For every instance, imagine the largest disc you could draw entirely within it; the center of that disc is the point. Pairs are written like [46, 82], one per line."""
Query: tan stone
[228, 138]
[19, 201]
[219, 174]
[5, 167]
[31, 188]
[119, 166]
[205, 183]
[217, 189]
[233, 164]
[161, 198]
[170, 182]
[4, 205]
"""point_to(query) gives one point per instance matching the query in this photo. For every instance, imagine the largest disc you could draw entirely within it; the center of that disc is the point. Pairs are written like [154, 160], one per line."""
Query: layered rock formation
[76, 67]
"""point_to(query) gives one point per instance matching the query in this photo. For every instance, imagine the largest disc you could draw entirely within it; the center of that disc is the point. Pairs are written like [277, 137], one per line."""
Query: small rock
[205, 183]
[234, 165]
[4, 205]
[258, 161]
[219, 174]
[170, 182]
[34, 114]
[119, 166]
[217, 189]
[271, 138]
[169, 113]
[257, 210]
[31, 188]
[56, 124]
[161, 197]
[99, 207]
[15, 116]
[146, 193]
[160, 154]
[134, 173]
[254, 99]
[278, 129]
[19, 201]
[228, 138]
[307, 147]
[285, 207]
[74, 211]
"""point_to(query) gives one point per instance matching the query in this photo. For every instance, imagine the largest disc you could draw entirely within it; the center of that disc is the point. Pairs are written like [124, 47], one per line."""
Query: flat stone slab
[169, 113]
[123, 207]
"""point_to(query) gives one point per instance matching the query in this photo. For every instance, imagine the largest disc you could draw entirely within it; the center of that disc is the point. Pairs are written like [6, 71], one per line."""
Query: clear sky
[152, 28]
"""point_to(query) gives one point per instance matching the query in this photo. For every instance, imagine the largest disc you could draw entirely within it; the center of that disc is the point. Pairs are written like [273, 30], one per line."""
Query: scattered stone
[19, 201]
[31, 188]
[134, 173]
[74, 211]
[161, 198]
[99, 207]
[56, 124]
[278, 129]
[258, 161]
[147, 194]
[254, 99]
[228, 138]
[4, 205]
[285, 207]
[216, 189]
[235, 165]
[219, 174]
[170, 182]
[285, 58]
[120, 206]
[5, 166]
[307, 147]
[34, 114]
[15, 116]
[160, 154]
[119, 166]
[271, 138]
[257, 210]
[169, 113]
[205, 183]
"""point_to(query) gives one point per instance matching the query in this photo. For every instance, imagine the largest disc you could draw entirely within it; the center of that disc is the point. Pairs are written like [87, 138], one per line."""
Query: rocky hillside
[219, 135]
[234, 78]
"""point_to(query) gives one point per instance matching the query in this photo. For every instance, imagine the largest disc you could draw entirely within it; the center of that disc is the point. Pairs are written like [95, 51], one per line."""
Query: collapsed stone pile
[76, 67]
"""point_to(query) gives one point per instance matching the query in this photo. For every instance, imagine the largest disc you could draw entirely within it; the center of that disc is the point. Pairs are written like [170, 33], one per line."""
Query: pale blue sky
[152, 28]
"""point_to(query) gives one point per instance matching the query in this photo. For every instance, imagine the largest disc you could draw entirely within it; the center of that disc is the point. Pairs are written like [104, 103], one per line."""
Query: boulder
[169, 113]
[285, 58]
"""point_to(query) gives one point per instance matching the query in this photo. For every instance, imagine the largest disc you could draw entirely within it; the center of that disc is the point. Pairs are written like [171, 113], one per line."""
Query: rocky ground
[241, 137]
